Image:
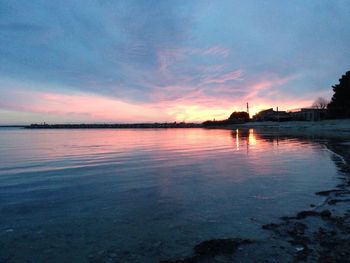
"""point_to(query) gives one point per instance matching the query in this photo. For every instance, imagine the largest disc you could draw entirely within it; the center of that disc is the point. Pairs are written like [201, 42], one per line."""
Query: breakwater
[115, 126]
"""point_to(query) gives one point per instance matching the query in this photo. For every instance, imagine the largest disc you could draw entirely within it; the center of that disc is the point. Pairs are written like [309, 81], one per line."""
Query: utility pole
[278, 116]
[248, 108]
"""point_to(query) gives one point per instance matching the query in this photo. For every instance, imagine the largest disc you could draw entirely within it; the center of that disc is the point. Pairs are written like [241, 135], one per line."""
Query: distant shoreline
[13, 126]
[333, 128]
[340, 126]
[115, 126]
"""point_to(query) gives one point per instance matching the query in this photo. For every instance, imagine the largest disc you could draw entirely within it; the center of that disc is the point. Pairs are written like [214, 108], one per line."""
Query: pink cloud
[168, 57]
[222, 78]
[86, 106]
[169, 103]
[194, 103]
[266, 85]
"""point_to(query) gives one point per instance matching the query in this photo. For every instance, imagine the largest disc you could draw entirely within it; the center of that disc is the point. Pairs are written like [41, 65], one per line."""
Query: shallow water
[146, 195]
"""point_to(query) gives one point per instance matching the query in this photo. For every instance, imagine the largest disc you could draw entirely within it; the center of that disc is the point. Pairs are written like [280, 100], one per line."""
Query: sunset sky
[144, 61]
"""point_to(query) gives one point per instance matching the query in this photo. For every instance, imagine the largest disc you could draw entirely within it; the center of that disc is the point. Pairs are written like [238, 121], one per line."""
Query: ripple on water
[147, 194]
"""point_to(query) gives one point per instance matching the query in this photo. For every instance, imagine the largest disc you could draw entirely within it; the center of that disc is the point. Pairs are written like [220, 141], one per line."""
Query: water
[146, 195]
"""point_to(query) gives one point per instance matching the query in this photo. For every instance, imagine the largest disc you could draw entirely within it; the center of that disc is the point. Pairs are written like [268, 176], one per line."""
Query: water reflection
[252, 140]
[127, 190]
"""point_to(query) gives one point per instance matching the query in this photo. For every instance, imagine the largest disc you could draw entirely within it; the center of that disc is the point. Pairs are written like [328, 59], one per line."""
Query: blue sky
[130, 61]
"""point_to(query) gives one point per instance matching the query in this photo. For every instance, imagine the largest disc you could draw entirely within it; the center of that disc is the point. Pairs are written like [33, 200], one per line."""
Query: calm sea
[146, 195]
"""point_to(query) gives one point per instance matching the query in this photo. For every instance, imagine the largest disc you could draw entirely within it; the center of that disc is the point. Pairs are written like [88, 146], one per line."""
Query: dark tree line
[240, 116]
[236, 117]
[339, 107]
[320, 103]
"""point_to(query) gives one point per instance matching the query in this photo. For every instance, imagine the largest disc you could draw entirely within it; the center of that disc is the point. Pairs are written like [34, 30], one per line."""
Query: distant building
[272, 115]
[308, 114]
[264, 115]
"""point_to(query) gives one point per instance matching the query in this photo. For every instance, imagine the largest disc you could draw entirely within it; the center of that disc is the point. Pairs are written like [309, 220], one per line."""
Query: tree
[239, 116]
[339, 107]
[320, 103]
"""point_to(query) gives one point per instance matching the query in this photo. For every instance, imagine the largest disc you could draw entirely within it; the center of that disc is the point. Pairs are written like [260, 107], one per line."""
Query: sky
[146, 61]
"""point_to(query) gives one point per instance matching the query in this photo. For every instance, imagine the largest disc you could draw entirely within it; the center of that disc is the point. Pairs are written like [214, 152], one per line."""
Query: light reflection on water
[145, 195]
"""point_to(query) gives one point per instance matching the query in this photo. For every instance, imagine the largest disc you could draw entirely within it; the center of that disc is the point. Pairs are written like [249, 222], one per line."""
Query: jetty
[164, 125]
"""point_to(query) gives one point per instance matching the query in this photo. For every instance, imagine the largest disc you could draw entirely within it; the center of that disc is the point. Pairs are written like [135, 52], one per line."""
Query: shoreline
[322, 232]
[318, 234]
[339, 127]
[325, 128]
[164, 125]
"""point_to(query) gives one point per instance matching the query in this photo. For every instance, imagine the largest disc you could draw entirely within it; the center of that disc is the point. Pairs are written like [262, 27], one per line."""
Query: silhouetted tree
[239, 116]
[320, 103]
[235, 118]
[216, 123]
[339, 107]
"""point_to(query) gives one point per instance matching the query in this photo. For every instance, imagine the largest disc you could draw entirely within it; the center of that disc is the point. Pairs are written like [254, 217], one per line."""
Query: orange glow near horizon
[202, 113]
[82, 107]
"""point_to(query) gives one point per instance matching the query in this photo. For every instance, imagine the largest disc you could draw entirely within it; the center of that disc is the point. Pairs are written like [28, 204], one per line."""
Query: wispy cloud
[86, 106]
[222, 78]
